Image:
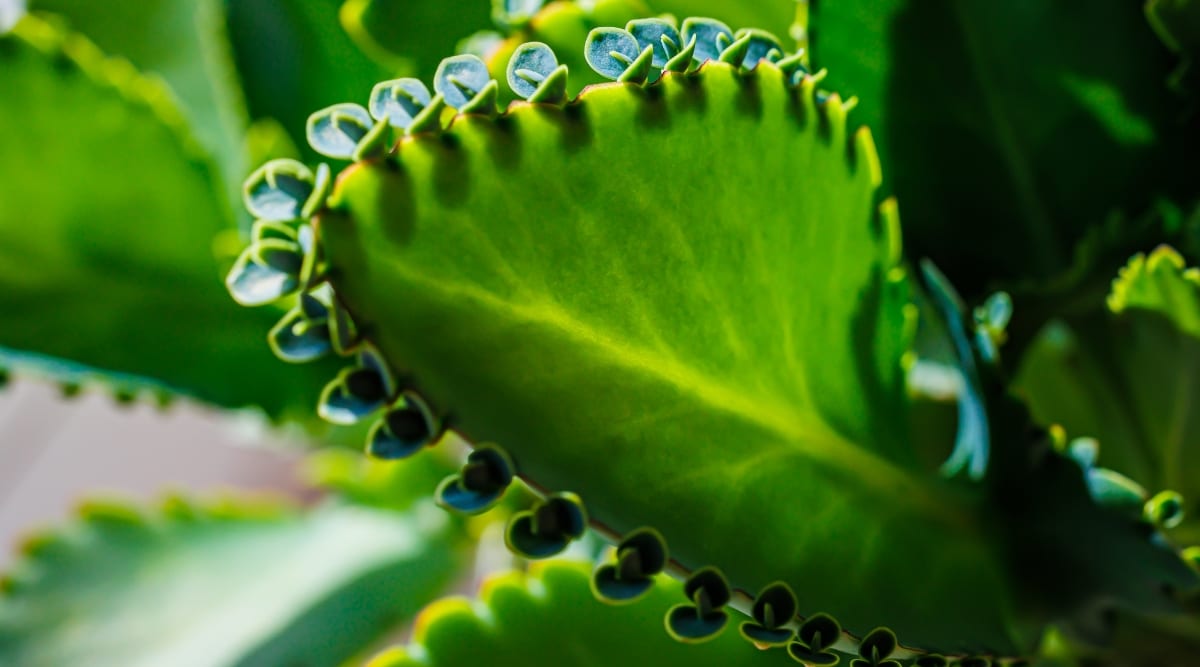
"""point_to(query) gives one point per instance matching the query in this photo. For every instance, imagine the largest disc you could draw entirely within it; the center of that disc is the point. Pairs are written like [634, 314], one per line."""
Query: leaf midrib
[815, 438]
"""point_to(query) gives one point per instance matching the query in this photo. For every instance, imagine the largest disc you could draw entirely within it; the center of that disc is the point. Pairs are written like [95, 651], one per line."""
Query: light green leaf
[681, 356]
[108, 219]
[184, 42]
[548, 617]
[1129, 378]
[223, 585]
[1000, 122]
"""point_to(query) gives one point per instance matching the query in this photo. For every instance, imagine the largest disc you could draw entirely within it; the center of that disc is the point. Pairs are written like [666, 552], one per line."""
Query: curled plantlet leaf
[760, 45]
[480, 484]
[793, 67]
[465, 84]
[303, 333]
[991, 320]
[548, 528]
[615, 54]
[266, 272]
[712, 37]
[267, 229]
[408, 427]
[346, 336]
[356, 392]
[704, 618]
[535, 75]
[684, 60]
[1115, 491]
[312, 269]
[1084, 451]
[640, 555]
[814, 639]
[335, 131]
[876, 649]
[773, 609]
[320, 192]
[278, 190]
[398, 102]
[658, 33]
[1165, 509]
[374, 143]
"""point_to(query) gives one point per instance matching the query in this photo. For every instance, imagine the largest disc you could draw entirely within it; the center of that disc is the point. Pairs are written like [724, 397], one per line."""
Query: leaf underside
[228, 584]
[98, 270]
[680, 303]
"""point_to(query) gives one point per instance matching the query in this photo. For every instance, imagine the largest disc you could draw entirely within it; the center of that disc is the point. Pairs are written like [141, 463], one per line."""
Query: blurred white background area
[56, 451]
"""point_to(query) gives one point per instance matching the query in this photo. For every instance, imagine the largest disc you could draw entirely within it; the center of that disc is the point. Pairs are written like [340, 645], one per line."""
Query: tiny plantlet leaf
[611, 51]
[335, 131]
[278, 190]
[658, 33]
[712, 37]
[460, 79]
[530, 66]
[399, 102]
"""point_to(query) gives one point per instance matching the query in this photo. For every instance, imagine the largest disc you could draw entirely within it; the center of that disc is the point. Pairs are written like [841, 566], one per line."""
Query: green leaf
[185, 43]
[680, 303]
[108, 219]
[1127, 377]
[413, 35]
[295, 57]
[548, 617]
[1178, 24]
[999, 123]
[228, 584]
[775, 16]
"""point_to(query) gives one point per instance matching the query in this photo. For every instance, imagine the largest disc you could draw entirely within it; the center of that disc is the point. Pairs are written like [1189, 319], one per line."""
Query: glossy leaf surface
[999, 123]
[229, 584]
[99, 271]
[661, 350]
[548, 618]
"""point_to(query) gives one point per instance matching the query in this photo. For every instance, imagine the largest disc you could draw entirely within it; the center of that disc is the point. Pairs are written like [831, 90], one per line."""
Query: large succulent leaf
[221, 585]
[999, 122]
[661, 350]
[108, 216]
[295, 57]
[185, 43]
[547, 617]
[1127, 378]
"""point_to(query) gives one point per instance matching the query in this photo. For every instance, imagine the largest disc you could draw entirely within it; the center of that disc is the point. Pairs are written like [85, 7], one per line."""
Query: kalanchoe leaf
[876, 648]
[279, 255]
[374, 143]
[548, 528]
[640, 555]
[736, 52]
[818, 634]
[639, 70]
[320, 192]
[399, 101]
[704, 618]
[460, 79]
[405, 429]
[356, 392]
[773, 609]
[303, 333]
[335, 131]
[530, 65]
[658, 33]
[480, 484]
[793, 66]
[712, 37]
[251, 282]
[1165, 509]
[684, 60]
[1116, 491]
[762, 46]
[278, 190]
[611, 51]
